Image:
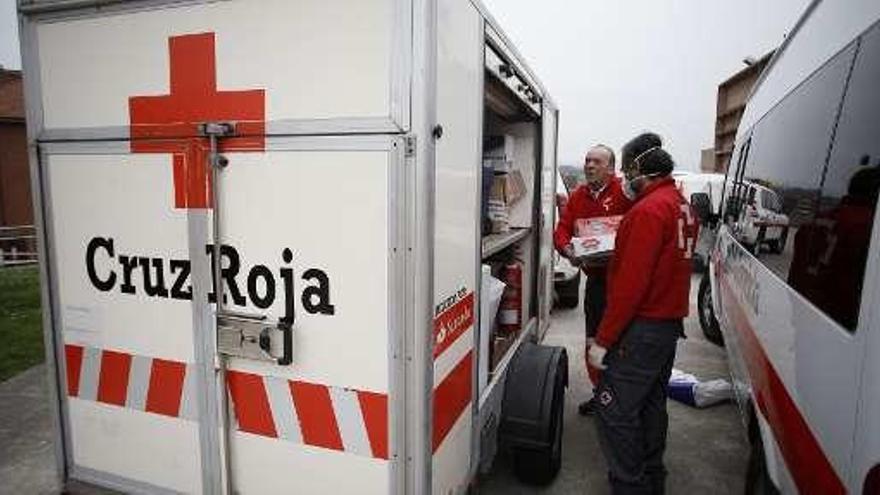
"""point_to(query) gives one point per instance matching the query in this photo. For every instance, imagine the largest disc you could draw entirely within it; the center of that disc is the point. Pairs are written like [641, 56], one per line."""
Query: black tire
[758, 480]
[708, 322]
[568, 292]
[540, 467]
[777, 246]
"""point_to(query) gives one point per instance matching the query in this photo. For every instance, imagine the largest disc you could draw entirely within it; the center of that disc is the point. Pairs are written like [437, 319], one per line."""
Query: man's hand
[596, 356]
[593, 373]
[568, 252]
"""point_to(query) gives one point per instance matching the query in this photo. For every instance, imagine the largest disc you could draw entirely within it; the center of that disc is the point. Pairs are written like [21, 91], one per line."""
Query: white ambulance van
[316, 166]
[801, 322]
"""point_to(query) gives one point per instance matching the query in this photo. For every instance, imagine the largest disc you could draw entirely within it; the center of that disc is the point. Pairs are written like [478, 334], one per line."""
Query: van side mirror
[702, 205]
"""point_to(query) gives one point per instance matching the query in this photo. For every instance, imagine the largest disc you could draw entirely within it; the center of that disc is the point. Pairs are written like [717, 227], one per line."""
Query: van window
[789, 150]
[731, 191]
[842, 231]
[770, 201]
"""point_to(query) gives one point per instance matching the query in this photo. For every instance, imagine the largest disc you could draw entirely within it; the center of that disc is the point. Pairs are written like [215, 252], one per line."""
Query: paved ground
[706, 453]
[707, 449]
[27, 454]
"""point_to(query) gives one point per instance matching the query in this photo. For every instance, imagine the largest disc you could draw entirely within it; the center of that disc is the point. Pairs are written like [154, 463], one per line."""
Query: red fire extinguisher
[510, 310]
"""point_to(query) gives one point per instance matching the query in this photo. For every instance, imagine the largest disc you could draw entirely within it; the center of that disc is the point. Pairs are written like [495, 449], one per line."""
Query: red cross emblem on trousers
[169, 123]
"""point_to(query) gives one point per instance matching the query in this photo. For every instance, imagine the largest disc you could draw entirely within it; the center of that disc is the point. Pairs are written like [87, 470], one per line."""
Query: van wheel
[758, 480]
[708, 322]
[778, 245]
[540, 467]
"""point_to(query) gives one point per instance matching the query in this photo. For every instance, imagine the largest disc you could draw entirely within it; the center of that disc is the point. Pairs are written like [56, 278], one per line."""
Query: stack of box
[503, 183]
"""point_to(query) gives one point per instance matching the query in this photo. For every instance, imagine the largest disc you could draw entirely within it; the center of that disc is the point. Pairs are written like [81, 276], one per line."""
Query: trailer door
[310, 240]
[309, 328]
[547, 216]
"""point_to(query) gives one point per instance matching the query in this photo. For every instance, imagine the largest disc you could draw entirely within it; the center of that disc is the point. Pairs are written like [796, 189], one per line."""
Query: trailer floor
[707, 450]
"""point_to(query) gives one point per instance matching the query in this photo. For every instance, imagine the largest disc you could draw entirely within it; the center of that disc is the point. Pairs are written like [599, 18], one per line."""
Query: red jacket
[829, 259]
[582, 204]
[650, 273]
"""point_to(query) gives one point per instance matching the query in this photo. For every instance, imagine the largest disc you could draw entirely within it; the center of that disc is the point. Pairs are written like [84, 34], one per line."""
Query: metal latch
[409, 146]
[251, 337]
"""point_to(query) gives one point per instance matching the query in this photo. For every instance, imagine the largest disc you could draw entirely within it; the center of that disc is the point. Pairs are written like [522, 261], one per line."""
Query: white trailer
[328, 154]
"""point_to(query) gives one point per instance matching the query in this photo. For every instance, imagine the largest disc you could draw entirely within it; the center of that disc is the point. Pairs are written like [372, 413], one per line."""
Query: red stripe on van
[73, 355]
[451, 398]
[316, 417]
[374, 408]
[810, 468]
[113, 380]
[251, 403]
[166, 387]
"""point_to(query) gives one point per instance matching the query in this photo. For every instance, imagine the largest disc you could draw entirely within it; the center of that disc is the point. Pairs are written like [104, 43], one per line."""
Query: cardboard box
[594, 237]
[508, 188]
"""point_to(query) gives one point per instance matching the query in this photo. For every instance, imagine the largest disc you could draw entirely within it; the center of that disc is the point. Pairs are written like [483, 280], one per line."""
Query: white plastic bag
[712, 392]
[688, 389]
[490, 300]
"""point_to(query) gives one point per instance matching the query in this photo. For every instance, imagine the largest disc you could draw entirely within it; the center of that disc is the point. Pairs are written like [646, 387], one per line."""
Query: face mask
[632, 187]
[629, 190]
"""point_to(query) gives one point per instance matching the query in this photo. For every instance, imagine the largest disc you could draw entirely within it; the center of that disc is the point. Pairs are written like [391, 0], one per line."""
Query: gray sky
[618, 67]
[9, 57]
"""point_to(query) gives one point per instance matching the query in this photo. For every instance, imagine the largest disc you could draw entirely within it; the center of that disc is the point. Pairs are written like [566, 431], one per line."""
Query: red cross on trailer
[169, 123]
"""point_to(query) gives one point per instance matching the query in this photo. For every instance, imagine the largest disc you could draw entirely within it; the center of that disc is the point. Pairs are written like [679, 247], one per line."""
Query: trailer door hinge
[409, 146]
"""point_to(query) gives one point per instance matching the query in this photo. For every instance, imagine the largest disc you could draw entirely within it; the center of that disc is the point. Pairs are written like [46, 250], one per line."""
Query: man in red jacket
[648, 289]
[601, 196]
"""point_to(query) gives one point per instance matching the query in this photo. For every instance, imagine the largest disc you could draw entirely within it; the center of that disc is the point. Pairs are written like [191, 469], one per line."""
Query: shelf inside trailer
[493, 243]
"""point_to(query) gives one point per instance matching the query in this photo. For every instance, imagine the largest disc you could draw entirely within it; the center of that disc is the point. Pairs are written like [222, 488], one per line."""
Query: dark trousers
[594, 303]
[631, 394]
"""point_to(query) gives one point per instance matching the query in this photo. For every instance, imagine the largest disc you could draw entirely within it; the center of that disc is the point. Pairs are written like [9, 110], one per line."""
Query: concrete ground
[707, 449]
[27, 453]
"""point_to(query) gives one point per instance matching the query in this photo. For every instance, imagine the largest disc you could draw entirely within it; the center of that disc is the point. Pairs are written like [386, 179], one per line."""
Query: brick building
[733, 94]
[16, 208]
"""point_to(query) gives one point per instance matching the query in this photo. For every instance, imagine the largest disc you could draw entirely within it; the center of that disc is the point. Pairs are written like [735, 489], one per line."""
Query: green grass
[21, 334]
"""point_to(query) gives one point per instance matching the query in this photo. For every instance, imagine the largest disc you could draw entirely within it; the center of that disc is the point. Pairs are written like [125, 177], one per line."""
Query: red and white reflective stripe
[341, 419]
[451, 398]
[454, 392]
[333, 418]
[141, 383]
[806, 461]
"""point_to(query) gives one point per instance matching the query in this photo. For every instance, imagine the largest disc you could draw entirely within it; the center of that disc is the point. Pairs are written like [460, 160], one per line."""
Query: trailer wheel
[708, 322]
[540, 467]
[532, 412]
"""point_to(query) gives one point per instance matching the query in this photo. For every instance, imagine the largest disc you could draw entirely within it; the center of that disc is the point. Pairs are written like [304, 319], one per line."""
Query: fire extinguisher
[510, 310]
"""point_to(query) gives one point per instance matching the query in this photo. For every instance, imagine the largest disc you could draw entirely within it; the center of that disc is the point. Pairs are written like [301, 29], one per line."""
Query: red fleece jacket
[650, 273]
